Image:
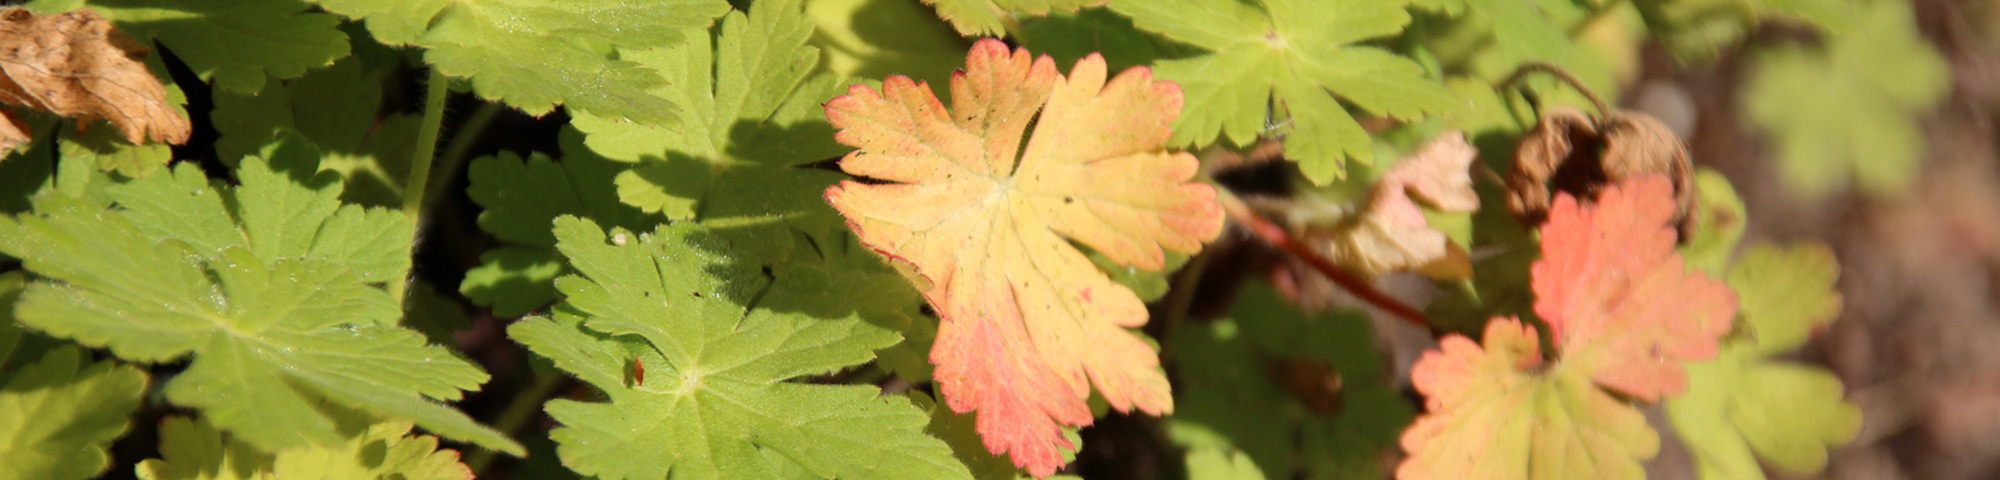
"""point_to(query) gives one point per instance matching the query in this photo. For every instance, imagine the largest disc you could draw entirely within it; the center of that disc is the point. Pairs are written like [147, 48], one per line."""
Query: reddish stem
[1276, 236]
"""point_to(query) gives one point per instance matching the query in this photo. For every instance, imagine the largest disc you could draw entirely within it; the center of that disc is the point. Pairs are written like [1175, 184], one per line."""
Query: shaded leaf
[233, 43]
[60, 413]
[737, 164]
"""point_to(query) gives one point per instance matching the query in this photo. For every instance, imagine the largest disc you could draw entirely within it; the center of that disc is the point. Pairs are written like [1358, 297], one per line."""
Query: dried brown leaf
[1571, 152]
[13, 133]
[76, 65]
[1390, 233]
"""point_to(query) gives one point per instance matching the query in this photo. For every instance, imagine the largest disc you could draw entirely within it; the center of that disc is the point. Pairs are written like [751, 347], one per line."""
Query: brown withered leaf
[1571, 152]
[76, 65]
[1390, 234]
[13, 133]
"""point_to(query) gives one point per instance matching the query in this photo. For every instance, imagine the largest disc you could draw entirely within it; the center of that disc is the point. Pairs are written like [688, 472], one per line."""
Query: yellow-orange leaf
[984, 225]
[1623, 312]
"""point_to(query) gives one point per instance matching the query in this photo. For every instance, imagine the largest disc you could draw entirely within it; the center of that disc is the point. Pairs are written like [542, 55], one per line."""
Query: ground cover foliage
[890, 239]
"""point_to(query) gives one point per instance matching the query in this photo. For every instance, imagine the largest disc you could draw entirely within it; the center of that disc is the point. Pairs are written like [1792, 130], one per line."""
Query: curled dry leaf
[1571, 152]
[76, 65]
[1390, 233]
[983, 223]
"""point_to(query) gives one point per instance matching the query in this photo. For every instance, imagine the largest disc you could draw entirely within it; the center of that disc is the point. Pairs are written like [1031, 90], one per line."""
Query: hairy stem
[1275, 235]
[420, 168]
[453, 159]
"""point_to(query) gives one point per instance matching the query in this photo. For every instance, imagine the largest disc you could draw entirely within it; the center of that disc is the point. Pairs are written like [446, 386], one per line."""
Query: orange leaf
[75, 65]
[984, 226]
[1624, 313]
[1618, 300]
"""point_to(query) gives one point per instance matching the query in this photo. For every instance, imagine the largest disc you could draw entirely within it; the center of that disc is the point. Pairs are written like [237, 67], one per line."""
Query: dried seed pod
[1571, 152]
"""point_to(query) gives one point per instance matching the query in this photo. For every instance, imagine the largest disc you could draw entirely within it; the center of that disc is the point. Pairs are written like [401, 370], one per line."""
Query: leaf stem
[1277, 237]
[522, 409]
[453, 159]
[420, 168]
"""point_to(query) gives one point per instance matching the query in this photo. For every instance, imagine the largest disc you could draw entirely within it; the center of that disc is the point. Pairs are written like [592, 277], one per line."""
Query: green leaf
[58, 414]
[974, 18]
[1746, 401]
[194, 450]
[717, 361]
[1232, 392]
[532, 54]
[1848, 114]
[1719, 223]
[1069, 37]
[335, 109]
[879, 38]
[265, 285]
[1288, 60]
[105, 147]
[233, 43]
[755, 120]
[28, 171]
[521, 197]
[1217, 464]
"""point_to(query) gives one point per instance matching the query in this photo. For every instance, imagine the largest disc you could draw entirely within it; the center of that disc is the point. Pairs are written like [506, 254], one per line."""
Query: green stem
[523, 409]
[1181, 298]
[454, 157]
[420, 167]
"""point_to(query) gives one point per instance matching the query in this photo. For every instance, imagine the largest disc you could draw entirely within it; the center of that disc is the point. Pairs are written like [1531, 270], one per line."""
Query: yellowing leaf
[1623, 312]
[75, 65]
[1029, 324]
[1492, 419]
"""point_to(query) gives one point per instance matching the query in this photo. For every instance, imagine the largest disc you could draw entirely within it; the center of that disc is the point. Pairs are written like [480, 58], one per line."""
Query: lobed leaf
[233, 43]
[1848, 115]
[716, 402]
[1489, 417]
[265, 285]
[520, 197]
[1624, 313]
[1747, 401]
[738, 164]
[59, 414]
[195, 450]
[532, 54]
[984, 224]
[1292, 62]
[335, 109]
[1620, 303]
